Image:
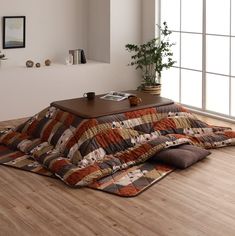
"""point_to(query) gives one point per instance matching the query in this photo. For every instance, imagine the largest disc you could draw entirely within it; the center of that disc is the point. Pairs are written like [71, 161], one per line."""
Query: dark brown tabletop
[100, 107]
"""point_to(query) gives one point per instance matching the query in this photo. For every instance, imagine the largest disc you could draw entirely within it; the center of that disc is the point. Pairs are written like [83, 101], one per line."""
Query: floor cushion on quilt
[181, 156]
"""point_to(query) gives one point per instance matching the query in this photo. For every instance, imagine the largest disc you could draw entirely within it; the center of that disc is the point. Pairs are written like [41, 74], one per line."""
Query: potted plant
[151, 58]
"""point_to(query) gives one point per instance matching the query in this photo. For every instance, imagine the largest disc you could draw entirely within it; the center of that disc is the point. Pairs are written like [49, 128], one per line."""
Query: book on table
[116, 96]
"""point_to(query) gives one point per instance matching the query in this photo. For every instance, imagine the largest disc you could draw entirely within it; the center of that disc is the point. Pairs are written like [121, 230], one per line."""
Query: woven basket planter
[154, 89]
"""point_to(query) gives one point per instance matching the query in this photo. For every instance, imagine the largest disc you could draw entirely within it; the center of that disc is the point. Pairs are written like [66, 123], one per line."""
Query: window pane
[170, 84]
[192, 15]
[191, 51]
[218, 16]
[217, 54]
[233, 56]
[217, 93]
[175, 38]
[191, 92]
[233, 97]
[233, 17]
[170, 12]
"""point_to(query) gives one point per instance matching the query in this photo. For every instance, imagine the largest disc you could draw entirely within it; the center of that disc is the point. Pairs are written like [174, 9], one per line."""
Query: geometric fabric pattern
[93, 152]
[125, 183]
[133, 181]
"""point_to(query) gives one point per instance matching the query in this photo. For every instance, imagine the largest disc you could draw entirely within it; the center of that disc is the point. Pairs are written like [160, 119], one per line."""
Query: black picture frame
[13, 32]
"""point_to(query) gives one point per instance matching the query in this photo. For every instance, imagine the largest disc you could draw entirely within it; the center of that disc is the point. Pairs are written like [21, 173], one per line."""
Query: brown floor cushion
[182, 156]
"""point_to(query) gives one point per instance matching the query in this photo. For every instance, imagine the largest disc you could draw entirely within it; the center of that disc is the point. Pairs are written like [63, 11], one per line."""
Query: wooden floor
[197, 201]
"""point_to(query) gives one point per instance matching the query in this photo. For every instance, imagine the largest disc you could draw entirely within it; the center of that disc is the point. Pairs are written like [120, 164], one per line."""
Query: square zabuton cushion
[181, 156]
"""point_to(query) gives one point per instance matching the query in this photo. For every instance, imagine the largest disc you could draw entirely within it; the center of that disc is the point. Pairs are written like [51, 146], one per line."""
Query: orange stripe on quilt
[86, 125]
[139, 113]
[164, 124]
[134, 154]
[59, 115]
[230, 134]
[69, 119]
[72, 141]
[110, 137]
[32, 127]
[8, 137]
[3, 148]
[58, 165]
[78, 175]
[16, 155]
[47, 132]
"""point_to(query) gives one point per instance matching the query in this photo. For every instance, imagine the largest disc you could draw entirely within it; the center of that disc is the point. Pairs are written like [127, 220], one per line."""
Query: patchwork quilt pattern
[81, 152]
[132, 181]
[126, 183]
[20, 160]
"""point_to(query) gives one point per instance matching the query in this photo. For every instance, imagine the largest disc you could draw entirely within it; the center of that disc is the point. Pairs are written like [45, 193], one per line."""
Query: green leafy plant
[153, 57]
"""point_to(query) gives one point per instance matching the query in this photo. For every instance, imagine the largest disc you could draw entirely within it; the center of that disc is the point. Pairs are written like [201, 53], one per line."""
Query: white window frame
[203, 110]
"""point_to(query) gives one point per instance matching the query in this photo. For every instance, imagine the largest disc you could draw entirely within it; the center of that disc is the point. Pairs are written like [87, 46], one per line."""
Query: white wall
[24, 91]
[126, 27]
[150, 19]
[52, 28]
[99, 30]
[27, 91]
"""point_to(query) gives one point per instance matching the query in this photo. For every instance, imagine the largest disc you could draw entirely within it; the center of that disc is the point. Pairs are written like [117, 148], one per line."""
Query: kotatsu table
[107, 145]
[100, 107]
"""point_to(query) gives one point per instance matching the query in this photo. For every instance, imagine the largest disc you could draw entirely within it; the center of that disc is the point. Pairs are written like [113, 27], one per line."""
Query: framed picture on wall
[13, 32]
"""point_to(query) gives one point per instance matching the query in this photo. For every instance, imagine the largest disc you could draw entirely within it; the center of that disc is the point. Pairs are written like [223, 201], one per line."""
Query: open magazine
[116, 96]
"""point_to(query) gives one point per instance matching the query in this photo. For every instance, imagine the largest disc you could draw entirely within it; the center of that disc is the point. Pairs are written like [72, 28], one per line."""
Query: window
[204, 75]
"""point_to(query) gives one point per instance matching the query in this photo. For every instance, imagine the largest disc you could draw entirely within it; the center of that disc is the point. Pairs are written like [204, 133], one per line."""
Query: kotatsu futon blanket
[80, 151]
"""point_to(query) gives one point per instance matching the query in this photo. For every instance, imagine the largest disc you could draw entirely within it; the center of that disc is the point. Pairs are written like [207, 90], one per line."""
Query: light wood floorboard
[197, 201]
